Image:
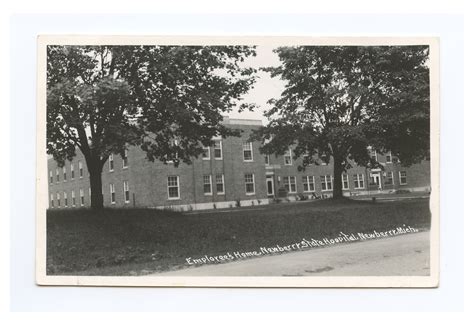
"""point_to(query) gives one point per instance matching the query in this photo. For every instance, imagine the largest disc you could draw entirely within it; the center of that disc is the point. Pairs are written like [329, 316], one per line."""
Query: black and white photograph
[238, 161]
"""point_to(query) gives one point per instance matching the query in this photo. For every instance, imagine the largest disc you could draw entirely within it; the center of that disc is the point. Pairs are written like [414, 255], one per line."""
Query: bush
[302, 197]
[402, 191]
[282, 192]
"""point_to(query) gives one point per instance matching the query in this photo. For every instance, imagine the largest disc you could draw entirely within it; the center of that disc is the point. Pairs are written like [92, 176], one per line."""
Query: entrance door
[376, 180]
[270, 191]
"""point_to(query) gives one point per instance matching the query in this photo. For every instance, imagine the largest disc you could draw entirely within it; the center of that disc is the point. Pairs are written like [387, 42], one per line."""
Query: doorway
[270, 187]
[376, 180]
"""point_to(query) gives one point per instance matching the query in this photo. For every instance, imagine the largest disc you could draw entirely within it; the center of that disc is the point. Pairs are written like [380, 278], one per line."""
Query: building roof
[237, 121]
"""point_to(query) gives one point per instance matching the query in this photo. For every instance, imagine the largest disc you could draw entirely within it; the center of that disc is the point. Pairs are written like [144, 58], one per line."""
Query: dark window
[403, 178]
[207, 184]
[249, 184]
[220, 184]
[125, 159]
[173, 187]
[248, 154]
[126, 191]
[218, 149]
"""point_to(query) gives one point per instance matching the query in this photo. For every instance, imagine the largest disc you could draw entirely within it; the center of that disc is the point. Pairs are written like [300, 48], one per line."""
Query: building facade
[230, 173]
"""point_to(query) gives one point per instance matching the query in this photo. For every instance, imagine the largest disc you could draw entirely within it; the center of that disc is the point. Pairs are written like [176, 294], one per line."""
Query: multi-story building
[230, 173]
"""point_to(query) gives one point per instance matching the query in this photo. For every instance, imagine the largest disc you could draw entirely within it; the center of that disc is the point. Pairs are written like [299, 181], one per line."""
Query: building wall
[148, 180]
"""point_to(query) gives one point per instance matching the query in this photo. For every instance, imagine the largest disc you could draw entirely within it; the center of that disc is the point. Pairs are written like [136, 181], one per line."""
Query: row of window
[288, 158]
[81, 169]
[174, 185]
[173, 190]
[124, 161]
[81, 202]
[388, 157]
[247, 148]
[64, 172]
[220, 185]
[218, 155]
[326, 181]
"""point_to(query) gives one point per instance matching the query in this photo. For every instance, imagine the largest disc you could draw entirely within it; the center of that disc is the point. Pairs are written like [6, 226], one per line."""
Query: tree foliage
[169, 100]
[339, 100]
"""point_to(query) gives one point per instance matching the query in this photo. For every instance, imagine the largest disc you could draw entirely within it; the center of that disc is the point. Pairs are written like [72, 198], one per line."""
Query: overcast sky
[265, 87]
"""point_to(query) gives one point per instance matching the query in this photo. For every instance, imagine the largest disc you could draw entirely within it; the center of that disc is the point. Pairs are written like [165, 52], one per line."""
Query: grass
[138, 241]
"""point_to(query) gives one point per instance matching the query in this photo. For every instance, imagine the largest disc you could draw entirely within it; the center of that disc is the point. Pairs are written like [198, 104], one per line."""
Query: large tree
[167, 99]
[341, 100]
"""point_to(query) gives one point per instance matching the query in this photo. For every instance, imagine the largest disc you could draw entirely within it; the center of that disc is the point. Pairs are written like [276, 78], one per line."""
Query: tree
[169, 100]
[341, 100]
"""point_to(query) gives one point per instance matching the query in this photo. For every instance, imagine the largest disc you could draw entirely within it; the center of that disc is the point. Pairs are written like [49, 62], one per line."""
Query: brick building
[230, 173]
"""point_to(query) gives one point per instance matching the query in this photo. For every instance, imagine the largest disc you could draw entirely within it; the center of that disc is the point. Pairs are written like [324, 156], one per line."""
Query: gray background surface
[26, 296]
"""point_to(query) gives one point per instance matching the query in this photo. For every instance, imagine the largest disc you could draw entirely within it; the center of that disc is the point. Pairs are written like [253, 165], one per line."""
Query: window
[323, 158]
[173, 187]
[326, 182]
[111, 163]
[81, 195]
[112, 193]
[58, 197]
[358, 181]
[308, 183]
[267, 160]
[389, 178]
[220, 187]
[373, 154]
[174, 155]
[218, 150]
[81, 173]
[126, 192]
[248, 153]
[388, 157]
[125, 159]
[288, 159]
[206, 155]
[57, 175]
[249, 184]
[290, 184]
[64, 174]
[345, 181]
[403, 177]
[65, 199]
[307, 159]
[51, 177]
[73, 198]
[52, 199]
[72, 171]
[207, 184]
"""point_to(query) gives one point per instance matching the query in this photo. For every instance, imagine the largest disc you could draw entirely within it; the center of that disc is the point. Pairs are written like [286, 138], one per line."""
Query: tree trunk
[337, 184]
[95, 170]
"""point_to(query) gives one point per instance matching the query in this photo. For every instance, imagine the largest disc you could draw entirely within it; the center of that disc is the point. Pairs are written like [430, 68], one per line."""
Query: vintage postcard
[238, 161]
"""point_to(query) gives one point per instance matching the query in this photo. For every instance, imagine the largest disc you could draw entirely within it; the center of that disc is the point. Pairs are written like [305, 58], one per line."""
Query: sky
[265, 87]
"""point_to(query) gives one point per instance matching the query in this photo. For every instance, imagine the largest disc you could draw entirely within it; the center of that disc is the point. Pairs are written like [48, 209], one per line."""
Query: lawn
[140, 241]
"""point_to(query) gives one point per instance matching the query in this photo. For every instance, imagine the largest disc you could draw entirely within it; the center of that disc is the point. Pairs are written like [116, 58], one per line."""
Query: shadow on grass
[84, 241]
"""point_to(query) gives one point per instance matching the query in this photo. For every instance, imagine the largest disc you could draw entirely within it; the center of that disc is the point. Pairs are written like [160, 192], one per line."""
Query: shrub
[302, 197]
[282, 192]
[402, 191]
